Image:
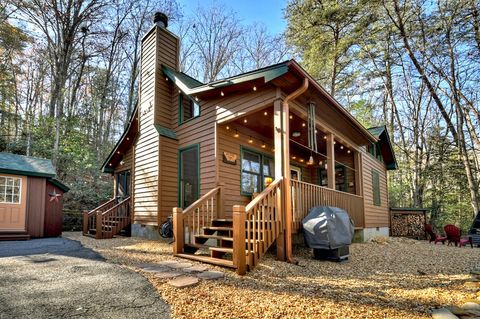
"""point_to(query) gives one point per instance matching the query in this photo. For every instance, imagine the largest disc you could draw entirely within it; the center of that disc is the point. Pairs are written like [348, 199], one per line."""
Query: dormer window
[188, 108]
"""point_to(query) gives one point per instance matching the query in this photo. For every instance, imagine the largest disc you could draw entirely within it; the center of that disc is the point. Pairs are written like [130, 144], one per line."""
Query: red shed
[31, 199]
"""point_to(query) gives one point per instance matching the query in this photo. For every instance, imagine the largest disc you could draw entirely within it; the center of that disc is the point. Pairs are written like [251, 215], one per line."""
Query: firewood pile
[408, 225]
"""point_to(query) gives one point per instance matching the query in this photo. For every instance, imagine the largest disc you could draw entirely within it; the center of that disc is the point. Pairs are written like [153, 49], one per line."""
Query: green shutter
[376, 188]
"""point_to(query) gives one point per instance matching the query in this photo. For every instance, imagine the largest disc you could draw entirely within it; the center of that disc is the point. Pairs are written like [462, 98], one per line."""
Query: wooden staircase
[237, 243]
[107, 220]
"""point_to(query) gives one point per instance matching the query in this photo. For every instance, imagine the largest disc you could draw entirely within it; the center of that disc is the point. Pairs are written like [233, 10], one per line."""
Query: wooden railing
[305, 196]
[90, 218]
[256, 226]
[190, 222]
[113, 220]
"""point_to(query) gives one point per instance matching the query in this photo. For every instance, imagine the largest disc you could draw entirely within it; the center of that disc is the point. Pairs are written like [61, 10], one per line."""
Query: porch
[256, 202]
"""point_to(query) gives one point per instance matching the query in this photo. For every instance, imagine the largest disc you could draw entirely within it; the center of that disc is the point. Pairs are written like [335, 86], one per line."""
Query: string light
[222, 94]
[245, 120]
[291, 116]
[196, 98]
[349, 151]
[265, 113]
[118, 152]
[341, 147]
[325, 137]
[254, 88]
[303, 124]
[227, 127]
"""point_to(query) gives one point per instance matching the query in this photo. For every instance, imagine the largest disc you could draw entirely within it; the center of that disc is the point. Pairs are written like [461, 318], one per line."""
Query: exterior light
[245, 120]
[236, 134]
[263, 144]
[166, 79]
[250, 140]
[110, 164]
[320, 163]
[294, 157]
[334, 142]
[291, 116]
[316, 131]
[227, 127]
[222, 94]
[128, 138]
[325, 137]
[349, 151]
[265, 113]
[310, 160]
[254, 88]
[122, 162]
[341, 147]
[296, 134]
[301, 160]
[303, 124]
[273, 150]
[118, 152]
[196, 98]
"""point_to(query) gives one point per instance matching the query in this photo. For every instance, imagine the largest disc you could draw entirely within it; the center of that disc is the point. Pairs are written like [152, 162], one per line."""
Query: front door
[123, 185]
[189, 172]
[13, 202]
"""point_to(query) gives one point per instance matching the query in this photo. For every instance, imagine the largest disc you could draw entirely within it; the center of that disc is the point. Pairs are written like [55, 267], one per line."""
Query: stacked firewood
[408, 225]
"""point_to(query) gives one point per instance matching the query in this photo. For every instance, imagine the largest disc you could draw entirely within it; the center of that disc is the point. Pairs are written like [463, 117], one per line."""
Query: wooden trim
[239, 258]
[331, 161]
[180, 150]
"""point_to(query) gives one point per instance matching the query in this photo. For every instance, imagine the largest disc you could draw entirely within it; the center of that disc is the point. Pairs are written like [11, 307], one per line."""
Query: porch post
[331, 160]
[178, 230]
[357, 159]
[278, 134]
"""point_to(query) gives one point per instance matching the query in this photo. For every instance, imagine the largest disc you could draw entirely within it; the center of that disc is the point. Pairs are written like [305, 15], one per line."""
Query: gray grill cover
[327, 227]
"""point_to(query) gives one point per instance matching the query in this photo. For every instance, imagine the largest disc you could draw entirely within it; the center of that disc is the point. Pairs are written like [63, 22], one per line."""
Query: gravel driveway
[59, 278]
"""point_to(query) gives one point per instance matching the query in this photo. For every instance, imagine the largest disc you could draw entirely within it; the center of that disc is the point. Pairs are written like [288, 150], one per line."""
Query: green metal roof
[191, 86]
[376, 131]
[25, 165]
[59, 184]
[164, 131]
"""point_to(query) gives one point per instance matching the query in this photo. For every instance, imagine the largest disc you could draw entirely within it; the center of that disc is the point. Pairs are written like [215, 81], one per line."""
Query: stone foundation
[363, 235]
[145, 231]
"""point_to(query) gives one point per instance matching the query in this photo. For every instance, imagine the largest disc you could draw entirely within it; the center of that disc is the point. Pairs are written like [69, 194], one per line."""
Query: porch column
[280, 136]
[357, 160]
[331, 160]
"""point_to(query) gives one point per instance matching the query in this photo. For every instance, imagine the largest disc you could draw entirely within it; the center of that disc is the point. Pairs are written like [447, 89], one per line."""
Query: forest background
[69, 81]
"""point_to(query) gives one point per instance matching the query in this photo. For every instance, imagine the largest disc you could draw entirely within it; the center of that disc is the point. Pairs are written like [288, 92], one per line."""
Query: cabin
[237, 163]
[30, 198]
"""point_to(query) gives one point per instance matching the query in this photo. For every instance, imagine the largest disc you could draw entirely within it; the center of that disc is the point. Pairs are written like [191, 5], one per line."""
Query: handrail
[262, 195]
[111, 221]
[190, 222]
[306, 195]
[116, 206]
[257, 226]
[202, 199]
[101, 206]
[89, 218]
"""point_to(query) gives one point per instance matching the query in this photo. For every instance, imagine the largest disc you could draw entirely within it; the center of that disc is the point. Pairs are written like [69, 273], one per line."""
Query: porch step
[209, 260]
[7, 236]
[214, 237]
[217, 228]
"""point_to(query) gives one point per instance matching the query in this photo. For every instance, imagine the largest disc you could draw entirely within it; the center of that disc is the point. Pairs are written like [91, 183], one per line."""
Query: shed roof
[26, 165]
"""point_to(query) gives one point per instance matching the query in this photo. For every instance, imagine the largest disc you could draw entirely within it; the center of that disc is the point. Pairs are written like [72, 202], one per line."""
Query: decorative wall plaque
[230, 158]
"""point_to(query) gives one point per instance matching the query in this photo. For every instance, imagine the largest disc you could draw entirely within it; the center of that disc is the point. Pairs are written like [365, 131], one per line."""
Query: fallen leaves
[400, 278]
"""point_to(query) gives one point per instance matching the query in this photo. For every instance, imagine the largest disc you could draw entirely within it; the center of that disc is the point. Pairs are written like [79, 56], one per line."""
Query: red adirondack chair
[433, 236]
[454, 235]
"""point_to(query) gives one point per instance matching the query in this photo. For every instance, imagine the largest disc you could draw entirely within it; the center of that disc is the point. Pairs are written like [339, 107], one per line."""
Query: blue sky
[268, 12]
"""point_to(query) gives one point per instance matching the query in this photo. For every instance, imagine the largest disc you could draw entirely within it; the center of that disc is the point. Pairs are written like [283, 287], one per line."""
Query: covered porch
[324, 169]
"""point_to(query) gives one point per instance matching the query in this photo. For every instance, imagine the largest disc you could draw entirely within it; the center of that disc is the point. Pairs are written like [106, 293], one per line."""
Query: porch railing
[305, 196]
[191, 221]
[256, 226]
[113, 220]
[90, 218]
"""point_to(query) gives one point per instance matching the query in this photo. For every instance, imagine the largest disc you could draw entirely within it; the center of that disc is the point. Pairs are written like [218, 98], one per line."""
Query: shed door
[12, 203]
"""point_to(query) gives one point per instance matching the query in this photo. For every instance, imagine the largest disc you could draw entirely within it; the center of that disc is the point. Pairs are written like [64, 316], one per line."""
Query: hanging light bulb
[320, 162]
[245, 120]
[250, 140]
[349, 151]
[341, 147]
[236, 134]
[265, 113]
[222, 94]
[264, 145]
[294, 157]
[325, 137]
[301, 160]
[254, 88]
[227, 127]
[303, 124]
[310, 160]
[291, 117]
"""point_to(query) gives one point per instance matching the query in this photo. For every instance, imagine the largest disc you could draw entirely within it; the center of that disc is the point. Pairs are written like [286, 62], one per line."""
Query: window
[376, 188]
[188, 108]
[255, 167]
[10, 189]
[341, 178]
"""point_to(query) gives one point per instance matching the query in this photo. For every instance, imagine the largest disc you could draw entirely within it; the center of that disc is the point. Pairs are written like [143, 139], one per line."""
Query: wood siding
[145, 188]
[375, 216]
[168, 188]
[36, 190]
[53, 212]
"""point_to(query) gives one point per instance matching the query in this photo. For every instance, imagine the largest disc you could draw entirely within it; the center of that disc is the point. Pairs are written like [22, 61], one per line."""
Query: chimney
[160, 19]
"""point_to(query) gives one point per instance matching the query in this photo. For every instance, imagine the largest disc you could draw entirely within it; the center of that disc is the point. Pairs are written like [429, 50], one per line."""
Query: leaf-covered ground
[398, 279]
